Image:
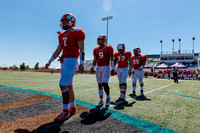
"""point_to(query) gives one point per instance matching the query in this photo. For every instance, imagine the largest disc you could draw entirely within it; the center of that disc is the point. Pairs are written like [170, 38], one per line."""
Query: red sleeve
[80, 35]
[111, 50]
[115, 55]
[129, 54]
[60, 39]
[94, 53]
[145, 57]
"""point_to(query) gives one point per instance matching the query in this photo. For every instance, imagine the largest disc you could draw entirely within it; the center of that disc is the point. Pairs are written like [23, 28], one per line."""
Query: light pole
[179, 45]
[173, 45]
[193, 44]
[107, 18]
[161, 46]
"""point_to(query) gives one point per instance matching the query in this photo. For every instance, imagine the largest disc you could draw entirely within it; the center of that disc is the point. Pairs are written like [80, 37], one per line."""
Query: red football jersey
[184, 72]
[137, 61]
[188, 71]
[69, 42]
[160, 71]
[166, 71]
[193, 72]
[180, 72]
[103, 55]
[122, 58]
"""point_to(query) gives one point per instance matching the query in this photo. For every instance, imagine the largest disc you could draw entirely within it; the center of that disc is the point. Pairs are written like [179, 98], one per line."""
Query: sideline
[133, 121]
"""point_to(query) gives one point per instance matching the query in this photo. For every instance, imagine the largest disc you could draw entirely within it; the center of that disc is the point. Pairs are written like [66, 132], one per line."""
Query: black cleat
[100, 104]
[120, 99]
[141, 93]
[133, 94]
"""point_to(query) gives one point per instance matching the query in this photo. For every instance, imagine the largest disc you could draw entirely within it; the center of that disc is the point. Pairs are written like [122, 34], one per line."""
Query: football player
[122, 57]
[193, 74]
[103, 54]
[180, 74]
[160, 73]
[184, 74]
[166, 73]
[71, 43]
[137, 70]
[199, 75]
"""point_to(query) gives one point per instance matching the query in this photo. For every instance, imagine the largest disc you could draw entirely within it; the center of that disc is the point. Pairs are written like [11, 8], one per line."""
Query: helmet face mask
[137, 51]
[102, 40]
[67, 21]
[121, 47]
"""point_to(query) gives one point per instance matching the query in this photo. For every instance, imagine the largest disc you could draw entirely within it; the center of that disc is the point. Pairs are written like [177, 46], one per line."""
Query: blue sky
[28, 27]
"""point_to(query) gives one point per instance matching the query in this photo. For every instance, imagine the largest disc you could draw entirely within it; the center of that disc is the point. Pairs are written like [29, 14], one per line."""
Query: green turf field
[175, 106]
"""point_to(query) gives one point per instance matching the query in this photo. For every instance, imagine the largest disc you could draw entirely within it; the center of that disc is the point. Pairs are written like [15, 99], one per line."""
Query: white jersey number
[136, 61]
[65, 39]
[100, 54]
[121, 58]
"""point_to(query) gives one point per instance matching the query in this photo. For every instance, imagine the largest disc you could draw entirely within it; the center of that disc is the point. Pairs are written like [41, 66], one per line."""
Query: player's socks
[123, 93]
[134, 89]
[100, 103]
[123, 96]
[101, 99]
[107, 101]
[66, 98]
[72, 104]
[65, 107]
[121, 89]
[133, 94]
[72, 108]
[120, 94]
[141, 92]
[141, 88]
[101, 92]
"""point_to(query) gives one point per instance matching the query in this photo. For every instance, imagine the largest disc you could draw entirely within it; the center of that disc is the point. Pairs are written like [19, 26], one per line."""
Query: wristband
[51, 59]
[112, 65]
[141, 67]
[82, 57]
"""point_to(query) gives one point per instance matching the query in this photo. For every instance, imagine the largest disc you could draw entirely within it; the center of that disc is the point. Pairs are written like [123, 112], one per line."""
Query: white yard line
[113, 105]
[159, 88]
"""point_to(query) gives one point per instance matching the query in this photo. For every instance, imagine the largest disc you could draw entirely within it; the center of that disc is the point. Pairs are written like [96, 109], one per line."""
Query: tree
[36, 66]
[27, 67]
[14, 67]
[22, 67]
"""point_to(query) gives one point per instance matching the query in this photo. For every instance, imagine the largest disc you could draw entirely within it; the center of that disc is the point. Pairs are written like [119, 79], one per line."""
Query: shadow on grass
[52, 127]
[94, 115]
[122, 105]
[142, 98]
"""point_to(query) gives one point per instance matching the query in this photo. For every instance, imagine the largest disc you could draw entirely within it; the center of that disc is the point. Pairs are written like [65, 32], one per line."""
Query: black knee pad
[124, 84]
[120, 84]
[105, 84]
